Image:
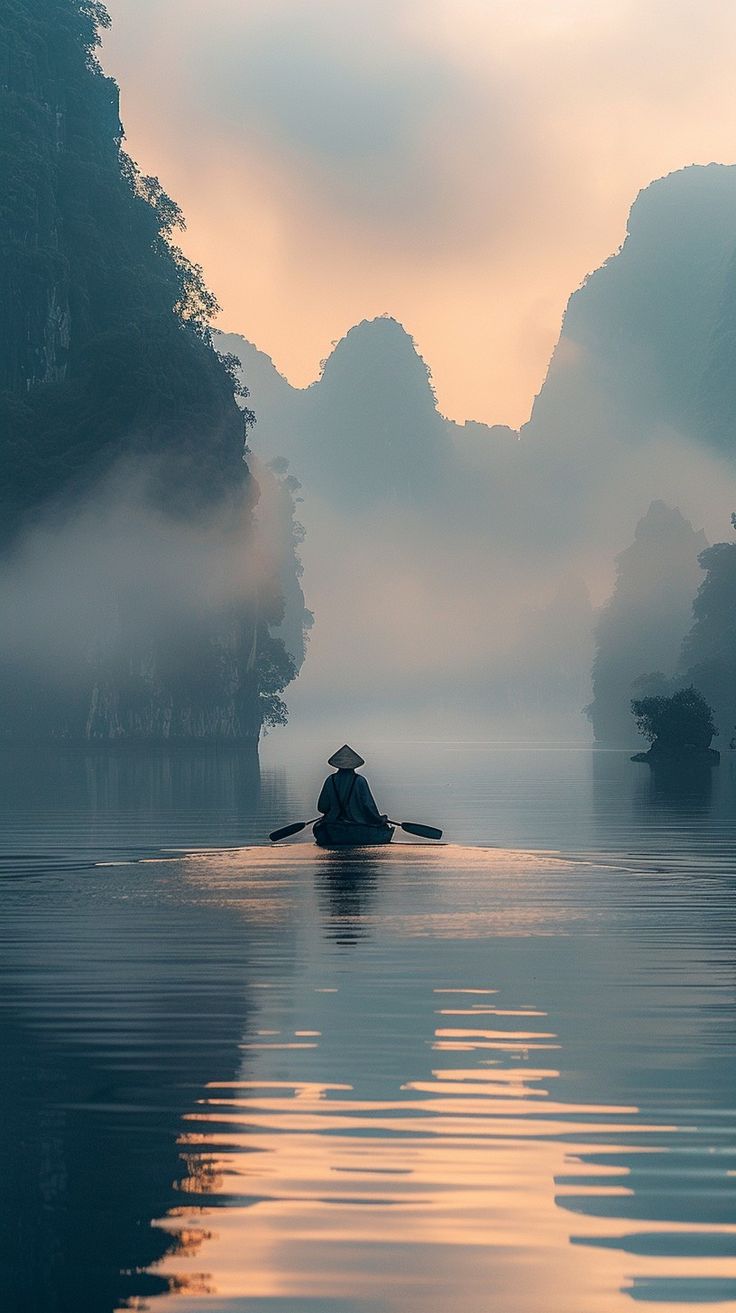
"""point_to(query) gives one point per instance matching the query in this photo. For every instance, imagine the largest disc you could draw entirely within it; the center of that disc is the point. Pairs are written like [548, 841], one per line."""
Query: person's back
[346, 798]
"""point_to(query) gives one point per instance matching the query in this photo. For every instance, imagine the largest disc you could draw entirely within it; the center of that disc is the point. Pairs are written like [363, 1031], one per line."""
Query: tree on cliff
[642, 626]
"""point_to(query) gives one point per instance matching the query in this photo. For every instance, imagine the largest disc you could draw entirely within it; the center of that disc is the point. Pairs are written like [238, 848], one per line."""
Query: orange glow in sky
[459, 164]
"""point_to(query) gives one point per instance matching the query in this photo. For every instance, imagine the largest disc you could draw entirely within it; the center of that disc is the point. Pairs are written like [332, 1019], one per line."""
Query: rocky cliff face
[369, 429]
[35, 292]
[109, 380]
[640, 339]
[104, 349]
[637, 408]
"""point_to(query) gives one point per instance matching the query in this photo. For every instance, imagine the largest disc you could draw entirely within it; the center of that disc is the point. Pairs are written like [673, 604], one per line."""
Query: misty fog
[111, 582]
[457, 572]
[460, 620]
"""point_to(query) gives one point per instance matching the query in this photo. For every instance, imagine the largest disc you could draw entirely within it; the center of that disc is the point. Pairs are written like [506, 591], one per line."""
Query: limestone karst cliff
[642, 341]
[636, 408]
[112, 395]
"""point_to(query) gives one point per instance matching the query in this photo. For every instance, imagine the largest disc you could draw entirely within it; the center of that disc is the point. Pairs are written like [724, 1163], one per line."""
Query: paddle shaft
[288, 830]
[410, 827]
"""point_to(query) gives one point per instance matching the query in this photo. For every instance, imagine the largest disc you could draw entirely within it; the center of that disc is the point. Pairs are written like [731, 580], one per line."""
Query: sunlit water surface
[494, 1074]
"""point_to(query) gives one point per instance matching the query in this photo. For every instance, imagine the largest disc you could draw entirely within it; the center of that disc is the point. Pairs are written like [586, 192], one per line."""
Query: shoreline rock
[685, 757]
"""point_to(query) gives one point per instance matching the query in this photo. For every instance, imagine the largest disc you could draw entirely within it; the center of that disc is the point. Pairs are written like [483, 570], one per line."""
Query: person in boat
[346, 798]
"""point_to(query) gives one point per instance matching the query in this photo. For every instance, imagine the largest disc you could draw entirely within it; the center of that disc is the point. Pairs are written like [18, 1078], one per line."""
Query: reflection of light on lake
[402, 1203]
[458, 1186]
[419, 1079]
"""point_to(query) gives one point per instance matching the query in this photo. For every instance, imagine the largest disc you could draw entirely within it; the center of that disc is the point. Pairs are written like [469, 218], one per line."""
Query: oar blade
[287, 831]
[424, 831]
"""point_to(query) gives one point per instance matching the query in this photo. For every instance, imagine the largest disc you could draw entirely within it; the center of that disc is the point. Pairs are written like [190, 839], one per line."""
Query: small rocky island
[680, 729]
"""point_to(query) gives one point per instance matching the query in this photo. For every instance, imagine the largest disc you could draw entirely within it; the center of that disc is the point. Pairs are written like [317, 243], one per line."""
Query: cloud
[326, 81]
[461, 164]
[83, 565]
[331, 94]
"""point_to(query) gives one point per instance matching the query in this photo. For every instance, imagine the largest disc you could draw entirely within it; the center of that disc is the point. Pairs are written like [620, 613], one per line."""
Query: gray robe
[346, 796]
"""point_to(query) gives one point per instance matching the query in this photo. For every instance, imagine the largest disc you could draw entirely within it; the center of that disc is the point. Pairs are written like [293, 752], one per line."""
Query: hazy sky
[460, 164]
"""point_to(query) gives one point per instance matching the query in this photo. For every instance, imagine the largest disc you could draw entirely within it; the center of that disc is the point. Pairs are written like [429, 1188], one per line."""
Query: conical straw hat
[345, 759]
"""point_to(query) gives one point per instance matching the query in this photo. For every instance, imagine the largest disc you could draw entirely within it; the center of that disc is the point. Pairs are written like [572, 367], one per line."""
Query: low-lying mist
[474, 610]
[457, 570]
[470, 610]
[109, 596]
[70, 576]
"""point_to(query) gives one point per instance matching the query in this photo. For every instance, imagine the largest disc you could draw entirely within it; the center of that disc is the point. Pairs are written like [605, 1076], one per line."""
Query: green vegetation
[105, 348]
[679, 725]
[107, 364]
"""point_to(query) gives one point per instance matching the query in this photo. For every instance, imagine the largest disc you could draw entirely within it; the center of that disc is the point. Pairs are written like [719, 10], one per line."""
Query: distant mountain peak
[644, 345]
[693, 196]
[380, 346]
[661, 518]
[385, 328]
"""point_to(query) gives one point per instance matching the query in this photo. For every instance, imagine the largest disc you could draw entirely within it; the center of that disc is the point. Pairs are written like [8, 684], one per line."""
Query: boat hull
[340, 834]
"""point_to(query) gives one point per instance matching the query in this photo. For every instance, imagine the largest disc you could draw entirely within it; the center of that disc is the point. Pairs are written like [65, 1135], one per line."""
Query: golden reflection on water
[448, 1195]
[404, 1205]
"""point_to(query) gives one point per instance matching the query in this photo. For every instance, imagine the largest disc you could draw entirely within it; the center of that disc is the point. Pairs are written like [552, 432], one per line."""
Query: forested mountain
[104, 345]
[428, 588]
[637, 395]
[108, 378]
[639, 633]
[636, 409]
[369, 428]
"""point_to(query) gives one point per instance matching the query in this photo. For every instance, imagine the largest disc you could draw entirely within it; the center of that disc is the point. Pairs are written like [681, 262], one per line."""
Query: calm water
[496, 1074]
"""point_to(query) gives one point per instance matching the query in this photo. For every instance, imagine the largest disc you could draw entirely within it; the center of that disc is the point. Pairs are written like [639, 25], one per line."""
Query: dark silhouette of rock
[628, 410]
